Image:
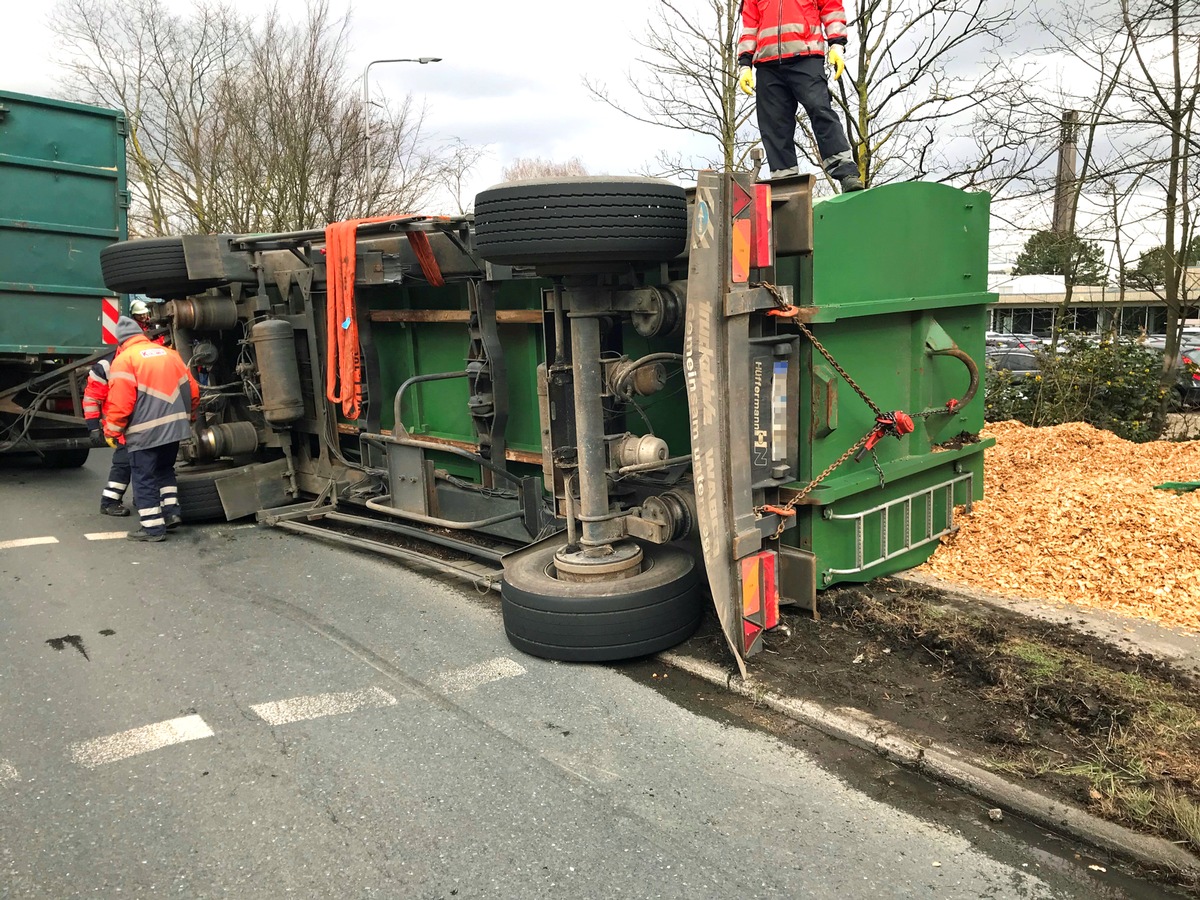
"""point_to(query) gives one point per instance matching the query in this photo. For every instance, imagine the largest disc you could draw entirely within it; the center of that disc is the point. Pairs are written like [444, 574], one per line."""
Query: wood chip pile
[1070, 514]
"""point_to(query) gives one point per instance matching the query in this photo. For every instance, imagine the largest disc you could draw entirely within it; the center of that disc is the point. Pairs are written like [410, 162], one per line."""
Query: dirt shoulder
[1063, 712]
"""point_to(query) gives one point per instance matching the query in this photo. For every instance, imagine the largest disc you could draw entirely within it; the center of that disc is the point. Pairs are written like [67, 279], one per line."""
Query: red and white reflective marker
[109, 311]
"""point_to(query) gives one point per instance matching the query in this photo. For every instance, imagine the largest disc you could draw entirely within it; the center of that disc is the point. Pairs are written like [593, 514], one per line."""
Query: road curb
[945, 764]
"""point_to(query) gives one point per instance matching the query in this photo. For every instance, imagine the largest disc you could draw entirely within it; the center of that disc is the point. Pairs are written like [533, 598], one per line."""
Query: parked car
[1189, 377]
[1002, 340]
[1017, 361]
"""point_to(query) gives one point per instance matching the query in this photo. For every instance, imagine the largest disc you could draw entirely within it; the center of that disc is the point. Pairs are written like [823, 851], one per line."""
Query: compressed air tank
[278, 371]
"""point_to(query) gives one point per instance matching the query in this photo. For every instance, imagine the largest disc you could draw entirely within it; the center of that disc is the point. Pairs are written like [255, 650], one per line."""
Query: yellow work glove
[837, 59]
[111, 441]
[746, 79]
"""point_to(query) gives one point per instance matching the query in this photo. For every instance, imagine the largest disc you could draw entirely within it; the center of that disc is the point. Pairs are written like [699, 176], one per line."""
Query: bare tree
[461, 159]
[924, 96]
[535, 167]
[688, 82]
[1140, 108]
[1075, 34]
[1162, 90]
[237, 124]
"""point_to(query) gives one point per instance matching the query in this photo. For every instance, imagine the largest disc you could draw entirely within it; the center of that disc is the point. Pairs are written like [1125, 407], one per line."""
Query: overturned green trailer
[611, 397]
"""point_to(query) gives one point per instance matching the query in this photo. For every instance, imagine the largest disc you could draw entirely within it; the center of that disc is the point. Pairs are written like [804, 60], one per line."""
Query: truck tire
[65, 459]
[601, 621]
[152, 266]
[583, 220]
[199, 500]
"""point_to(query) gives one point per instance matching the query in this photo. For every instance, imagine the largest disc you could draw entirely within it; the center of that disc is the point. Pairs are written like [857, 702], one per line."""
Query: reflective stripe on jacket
[778, 29]
[151, 395]
[96, 390]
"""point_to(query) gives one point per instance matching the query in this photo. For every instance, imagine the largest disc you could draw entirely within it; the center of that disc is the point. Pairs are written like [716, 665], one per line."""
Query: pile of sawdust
[1070, 514]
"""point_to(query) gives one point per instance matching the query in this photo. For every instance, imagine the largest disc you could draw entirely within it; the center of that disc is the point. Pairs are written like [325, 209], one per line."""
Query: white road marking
[467, 679]
[104, 535]
[140, 740]
[7, 771]
[27, 542]
[316, 706]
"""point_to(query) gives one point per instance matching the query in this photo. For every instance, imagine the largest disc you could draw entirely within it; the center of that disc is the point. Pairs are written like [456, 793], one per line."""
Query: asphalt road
[241, 712]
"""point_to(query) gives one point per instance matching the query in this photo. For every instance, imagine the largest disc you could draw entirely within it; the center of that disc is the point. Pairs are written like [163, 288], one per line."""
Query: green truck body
[63, 198]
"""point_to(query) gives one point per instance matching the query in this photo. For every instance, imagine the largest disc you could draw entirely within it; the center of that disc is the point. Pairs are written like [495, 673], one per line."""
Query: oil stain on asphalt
[73, 640]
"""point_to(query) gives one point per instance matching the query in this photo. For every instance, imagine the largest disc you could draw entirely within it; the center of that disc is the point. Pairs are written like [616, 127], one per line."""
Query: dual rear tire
[600, 621]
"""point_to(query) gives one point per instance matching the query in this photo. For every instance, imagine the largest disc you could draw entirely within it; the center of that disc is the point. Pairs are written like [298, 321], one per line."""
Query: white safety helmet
[139, 308]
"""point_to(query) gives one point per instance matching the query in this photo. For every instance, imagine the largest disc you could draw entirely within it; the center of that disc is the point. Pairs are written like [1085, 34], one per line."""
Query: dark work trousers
[118, 478]
[153, 471]
[779, 88]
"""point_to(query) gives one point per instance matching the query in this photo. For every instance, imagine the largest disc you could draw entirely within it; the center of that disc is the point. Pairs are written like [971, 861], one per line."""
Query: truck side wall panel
[62, 200]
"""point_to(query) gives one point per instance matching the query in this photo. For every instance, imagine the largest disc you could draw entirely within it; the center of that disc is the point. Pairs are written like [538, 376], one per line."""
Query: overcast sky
[511, 75]
[510, 79]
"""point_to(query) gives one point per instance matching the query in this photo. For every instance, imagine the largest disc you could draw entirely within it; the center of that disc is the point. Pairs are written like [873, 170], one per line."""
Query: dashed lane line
[27, 542]
[316, 706]
[8, 772]
[136, 741]
[105, 535]
[484, 673]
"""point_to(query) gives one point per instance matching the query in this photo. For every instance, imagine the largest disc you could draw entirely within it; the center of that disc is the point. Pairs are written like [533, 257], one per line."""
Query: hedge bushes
[1112, 385]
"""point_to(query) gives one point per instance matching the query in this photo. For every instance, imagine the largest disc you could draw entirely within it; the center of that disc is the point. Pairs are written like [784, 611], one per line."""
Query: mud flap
[720, 356]
[246, 490]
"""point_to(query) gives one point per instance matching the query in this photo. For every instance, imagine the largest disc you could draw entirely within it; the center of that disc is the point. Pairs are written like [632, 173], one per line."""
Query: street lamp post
[366, 101]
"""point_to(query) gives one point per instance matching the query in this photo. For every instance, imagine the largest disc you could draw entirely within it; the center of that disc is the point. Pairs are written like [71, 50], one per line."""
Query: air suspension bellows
[229, 439]
[205, 313]
[278, 371]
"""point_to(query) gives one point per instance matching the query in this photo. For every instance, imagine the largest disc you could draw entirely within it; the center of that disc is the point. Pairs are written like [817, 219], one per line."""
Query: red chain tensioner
[896, 423]
[786, 312]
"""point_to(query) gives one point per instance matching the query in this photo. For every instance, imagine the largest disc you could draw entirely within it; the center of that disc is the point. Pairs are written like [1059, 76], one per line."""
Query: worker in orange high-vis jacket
[151, 401]
[112, 497]
[785, 41]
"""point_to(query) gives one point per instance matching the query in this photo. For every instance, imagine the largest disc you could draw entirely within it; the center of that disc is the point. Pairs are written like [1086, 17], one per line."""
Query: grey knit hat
[127, 328]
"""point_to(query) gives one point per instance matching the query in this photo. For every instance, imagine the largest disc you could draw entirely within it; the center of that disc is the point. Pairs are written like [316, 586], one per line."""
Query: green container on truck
[63, 198]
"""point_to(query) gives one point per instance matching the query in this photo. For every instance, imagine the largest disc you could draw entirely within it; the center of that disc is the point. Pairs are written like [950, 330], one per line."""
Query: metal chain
[878, 468]
[783, 304]
[783, 511]
[804, 491]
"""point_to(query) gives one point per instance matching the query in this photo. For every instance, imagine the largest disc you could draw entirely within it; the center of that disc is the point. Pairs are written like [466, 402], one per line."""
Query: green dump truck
[62, 199]
[613, 399]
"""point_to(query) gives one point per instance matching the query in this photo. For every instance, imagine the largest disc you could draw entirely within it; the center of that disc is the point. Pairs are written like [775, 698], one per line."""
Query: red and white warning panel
[110, 309]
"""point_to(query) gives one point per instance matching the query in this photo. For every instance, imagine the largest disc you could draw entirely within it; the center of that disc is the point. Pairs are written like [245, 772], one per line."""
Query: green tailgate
[62, 199]
[896, 272]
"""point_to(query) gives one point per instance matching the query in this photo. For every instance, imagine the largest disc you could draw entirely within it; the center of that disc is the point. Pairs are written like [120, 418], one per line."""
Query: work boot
[852, 183]
[143, 535]
[173, 520]
[785, 173]
[114, 509]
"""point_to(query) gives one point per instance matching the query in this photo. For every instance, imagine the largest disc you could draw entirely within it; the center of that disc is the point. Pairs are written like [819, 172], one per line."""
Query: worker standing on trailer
[151, 400]
[785, 41]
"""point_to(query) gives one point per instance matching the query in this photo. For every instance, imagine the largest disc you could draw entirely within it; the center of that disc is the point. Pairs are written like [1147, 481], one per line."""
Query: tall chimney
[1064, 184]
